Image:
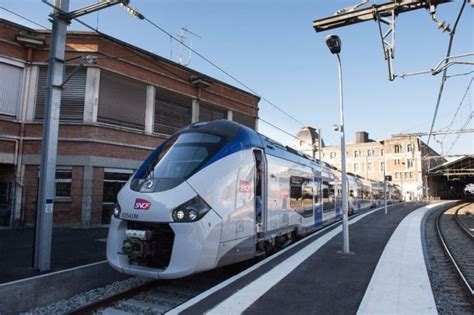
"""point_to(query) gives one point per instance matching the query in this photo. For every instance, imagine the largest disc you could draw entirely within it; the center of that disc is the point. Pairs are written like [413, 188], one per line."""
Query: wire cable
[24, 18]
[468, 120]
[223, 71]
[171, 36]
[459, 107]
[444, 78]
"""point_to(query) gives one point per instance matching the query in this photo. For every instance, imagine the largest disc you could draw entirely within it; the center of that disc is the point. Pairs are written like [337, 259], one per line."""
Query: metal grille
[72, 98]
[10, 88]
[122, 101]
[172, 111]
[208, 112]
[244, 119]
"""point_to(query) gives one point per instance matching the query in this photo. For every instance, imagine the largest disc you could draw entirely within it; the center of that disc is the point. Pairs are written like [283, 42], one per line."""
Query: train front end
[162, 227]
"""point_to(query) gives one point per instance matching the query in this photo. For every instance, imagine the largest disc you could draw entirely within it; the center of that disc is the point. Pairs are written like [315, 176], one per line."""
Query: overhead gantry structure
[385, 15]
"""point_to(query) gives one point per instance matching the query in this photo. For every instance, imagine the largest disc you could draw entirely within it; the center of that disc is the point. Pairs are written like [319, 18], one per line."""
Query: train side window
[301, 195]
[296, 193]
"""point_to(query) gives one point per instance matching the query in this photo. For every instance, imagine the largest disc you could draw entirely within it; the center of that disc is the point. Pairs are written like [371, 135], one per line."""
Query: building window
[122, 101]
[356, 167]
[397, 148]
[406, 175]
[172, 111]
[381, 152]
[244, 119]
[369, 166]
[114, 179]
[382, 166]
[411, 174]
[409, 147]
[72, 96]
[409, 163]
[396, 162]
[396, 174]
[208, 112]
[356, 153]
[10, 89]
[332, 155]
[370, 152]
[63, 183]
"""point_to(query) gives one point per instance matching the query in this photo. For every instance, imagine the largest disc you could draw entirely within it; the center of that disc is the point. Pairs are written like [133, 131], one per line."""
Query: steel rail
[461, 225]
[467, 287]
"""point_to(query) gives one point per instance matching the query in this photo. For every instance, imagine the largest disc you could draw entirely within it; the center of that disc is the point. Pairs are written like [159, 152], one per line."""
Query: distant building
[114, 111]
[408, 160]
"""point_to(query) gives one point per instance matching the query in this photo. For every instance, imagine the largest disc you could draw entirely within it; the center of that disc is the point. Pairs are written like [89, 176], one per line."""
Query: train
[217, 193]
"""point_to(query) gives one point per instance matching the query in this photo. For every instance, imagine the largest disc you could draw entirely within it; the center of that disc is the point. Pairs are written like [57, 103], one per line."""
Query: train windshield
[178, 159]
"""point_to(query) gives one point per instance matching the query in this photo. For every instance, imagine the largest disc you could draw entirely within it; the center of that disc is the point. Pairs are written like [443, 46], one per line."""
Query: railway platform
[384, 273]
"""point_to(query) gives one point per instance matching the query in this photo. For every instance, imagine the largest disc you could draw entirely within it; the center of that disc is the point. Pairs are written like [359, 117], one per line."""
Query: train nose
[164, 250]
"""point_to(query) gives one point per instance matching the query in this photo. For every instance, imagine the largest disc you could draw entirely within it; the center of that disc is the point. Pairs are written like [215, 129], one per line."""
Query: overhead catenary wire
[24, 18]
[444, 77]
[224, 71]
[468, 120]
[171, 36]
[459, 107]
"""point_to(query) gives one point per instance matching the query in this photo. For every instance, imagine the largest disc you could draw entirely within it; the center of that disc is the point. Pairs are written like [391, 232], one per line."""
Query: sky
[271, 46]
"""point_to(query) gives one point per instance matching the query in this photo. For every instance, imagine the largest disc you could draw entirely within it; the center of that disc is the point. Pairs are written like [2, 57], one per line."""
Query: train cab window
[301, 195]
[176, 160]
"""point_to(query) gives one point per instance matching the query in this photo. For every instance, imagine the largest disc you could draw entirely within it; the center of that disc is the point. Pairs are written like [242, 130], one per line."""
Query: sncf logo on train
[142, 204]
[244, 186]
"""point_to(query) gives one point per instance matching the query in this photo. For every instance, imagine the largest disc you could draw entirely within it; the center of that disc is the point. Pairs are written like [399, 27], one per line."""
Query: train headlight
[179, 215]
[117, 211]
[191, 211]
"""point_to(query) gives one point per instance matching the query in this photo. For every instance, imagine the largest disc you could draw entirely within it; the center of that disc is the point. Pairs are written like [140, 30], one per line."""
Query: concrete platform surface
[312, 276]
[400, 283]
[71, 247]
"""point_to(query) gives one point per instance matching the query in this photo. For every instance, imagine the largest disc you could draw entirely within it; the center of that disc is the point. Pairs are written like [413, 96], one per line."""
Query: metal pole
[385, 182]
[345, 217]
[44, 211]
[320, 141]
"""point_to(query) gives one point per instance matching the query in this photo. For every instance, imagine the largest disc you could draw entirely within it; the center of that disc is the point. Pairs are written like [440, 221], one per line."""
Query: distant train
[218, 193]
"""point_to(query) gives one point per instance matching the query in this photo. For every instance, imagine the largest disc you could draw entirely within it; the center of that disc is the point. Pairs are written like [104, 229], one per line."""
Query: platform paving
[71, 247]
[314, 276]
[400, 282]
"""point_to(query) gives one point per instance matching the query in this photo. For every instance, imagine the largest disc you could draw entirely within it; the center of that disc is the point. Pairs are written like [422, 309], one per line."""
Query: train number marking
[126, 215]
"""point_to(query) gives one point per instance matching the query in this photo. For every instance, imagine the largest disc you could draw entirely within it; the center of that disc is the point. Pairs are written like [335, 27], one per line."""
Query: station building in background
[408, 160]
[121, 103]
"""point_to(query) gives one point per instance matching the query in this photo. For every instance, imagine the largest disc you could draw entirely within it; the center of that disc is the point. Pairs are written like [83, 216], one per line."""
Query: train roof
[250, 138]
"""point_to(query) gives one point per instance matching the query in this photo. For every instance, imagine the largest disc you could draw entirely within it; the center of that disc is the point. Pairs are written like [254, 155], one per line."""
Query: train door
[328, 198]
[318, 204]
[260, 192]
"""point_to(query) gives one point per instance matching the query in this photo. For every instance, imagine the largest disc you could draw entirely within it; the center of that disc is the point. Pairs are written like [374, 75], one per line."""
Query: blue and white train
[218, 193]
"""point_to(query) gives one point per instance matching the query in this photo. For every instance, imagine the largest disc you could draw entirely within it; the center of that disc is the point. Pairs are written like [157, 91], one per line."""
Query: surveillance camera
[335, 127]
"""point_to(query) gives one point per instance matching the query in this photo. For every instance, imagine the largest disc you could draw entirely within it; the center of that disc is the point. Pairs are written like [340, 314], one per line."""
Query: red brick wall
[97, 194]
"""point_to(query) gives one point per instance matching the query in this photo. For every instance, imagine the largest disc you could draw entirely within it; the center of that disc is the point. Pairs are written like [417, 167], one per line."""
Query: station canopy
[462, 168]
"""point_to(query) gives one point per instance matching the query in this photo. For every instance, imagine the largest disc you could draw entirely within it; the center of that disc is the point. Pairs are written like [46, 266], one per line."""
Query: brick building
[114, 111]
[408, 160]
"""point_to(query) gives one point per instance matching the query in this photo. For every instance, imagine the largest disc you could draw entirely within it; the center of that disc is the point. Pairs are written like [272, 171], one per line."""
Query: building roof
[128, 45]
[462, 166]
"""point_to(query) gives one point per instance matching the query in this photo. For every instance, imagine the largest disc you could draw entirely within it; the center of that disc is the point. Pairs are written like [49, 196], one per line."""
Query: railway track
[458, 244]
[160, 296]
